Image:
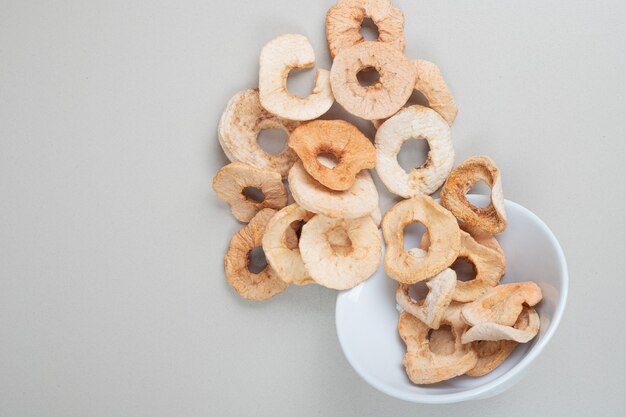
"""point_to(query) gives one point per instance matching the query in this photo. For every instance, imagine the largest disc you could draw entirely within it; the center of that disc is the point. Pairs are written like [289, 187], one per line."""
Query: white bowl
[367, 319]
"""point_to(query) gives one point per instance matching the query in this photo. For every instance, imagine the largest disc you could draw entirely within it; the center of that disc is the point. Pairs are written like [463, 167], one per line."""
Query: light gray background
[112, 295]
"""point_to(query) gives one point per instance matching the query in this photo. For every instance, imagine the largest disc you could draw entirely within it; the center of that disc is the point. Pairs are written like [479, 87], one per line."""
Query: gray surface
[112, 296]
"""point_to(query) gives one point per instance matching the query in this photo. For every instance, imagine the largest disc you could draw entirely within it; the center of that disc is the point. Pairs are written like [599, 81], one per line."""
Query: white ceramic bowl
[367, 319]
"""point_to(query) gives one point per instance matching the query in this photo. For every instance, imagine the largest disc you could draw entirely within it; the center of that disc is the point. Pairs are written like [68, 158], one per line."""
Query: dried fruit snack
[344, 20]
[432, 308]
[230, 184]
[387, 95]
[253, 286]
[340, 253]
[523, 330]
[353, 151]
[278, 57]
[240, 124]
[491, 219]
[281, 244]
[415, 122]
[423, 366]
[359, 200]
[491, 354]
[488, 264]
[442, 229]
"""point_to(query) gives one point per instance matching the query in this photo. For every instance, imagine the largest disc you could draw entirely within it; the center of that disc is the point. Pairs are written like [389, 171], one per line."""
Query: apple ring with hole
[414, 122]
[385, 96]
[278, 57]
[344, 20]
[351, 148]
[491, 219]
[232, 182]
[252, 286]
[442, 228]
[242, 121]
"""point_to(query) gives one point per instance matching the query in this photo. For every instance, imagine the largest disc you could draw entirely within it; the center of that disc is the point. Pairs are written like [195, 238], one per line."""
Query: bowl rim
[510, 375]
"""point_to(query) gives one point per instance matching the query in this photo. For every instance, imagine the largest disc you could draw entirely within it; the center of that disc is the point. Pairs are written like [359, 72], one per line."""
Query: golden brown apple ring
[240, 124]
[262, 285]
[345, 141]
[422, 365]
[230, 182]
[344, 19]
[443, 230]
[381, 99]
[280, 244]
[491, 219]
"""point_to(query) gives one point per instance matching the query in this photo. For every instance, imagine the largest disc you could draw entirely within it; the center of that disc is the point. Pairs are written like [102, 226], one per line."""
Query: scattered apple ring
[240, 124]
[344, 19]
[414, 122]
[359, 200]
[278, 57]
[442, 228]
[431, 84]
[262, 285]
[502, 304]
[280, 244]
[422, 365]
[354, 151]
[230, 182]
[432, 308]
[491, 354]
[523, 330]
[491, 219]
[340, 253]
[381, 99]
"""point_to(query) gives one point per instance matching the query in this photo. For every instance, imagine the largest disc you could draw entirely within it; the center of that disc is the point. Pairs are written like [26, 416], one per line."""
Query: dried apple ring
[431, 84]
[488, 264]
[491, 353]
[253, 286]
[359, 200]
[491, 219]
[278, 57]
[422, 365]
[239, 126]
[231, 182]
[381, 99]
[415, 122]
[344, 19]
[443, 231]
[524, 329]
[502, 304]
[340, 253]
[432, 308]
[353, 151]
[280, 244]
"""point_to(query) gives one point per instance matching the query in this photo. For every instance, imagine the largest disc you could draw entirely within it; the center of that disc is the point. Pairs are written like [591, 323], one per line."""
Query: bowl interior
[367, 318]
